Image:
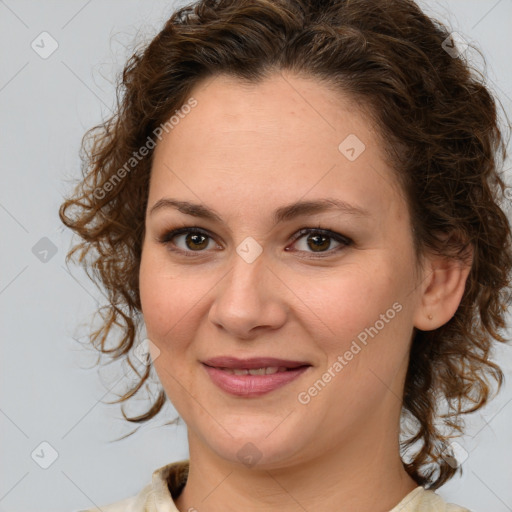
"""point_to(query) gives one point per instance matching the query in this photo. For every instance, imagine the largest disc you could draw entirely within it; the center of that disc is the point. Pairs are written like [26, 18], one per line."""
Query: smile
[255, 371]
[251, 378]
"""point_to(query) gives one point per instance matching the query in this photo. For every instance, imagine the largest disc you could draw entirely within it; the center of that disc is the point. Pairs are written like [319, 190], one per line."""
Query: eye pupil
[317, 237]
[194, 237]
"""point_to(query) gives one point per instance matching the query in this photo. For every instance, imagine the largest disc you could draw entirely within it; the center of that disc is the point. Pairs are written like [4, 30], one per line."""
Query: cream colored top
[169, 480]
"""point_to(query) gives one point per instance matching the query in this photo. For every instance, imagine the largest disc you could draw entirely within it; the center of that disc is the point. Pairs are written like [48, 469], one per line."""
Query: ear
[442, 289]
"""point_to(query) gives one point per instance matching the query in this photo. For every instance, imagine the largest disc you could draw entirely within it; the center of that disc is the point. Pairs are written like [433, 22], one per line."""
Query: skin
[244, 151]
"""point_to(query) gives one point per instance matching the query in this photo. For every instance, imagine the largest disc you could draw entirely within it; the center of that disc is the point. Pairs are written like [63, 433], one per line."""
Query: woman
[301, 202]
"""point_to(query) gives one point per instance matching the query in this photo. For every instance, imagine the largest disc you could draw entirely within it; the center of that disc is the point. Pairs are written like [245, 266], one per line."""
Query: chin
[254, 449]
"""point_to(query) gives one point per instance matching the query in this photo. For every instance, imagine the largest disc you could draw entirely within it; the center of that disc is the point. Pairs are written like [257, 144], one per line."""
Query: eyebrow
[282, 214]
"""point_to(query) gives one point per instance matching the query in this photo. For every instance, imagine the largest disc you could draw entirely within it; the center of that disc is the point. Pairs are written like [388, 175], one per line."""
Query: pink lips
[248, 385]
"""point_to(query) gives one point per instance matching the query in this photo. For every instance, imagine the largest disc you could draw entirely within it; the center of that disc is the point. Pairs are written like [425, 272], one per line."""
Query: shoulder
[157, 496]
[423, 500]
[132, 504]
[437, 503]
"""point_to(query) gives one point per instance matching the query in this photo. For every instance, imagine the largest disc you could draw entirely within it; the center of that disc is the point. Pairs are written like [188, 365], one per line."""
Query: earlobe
[442, 291]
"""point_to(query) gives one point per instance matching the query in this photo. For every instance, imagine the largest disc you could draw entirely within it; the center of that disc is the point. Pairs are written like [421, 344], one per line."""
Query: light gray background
[51, 392]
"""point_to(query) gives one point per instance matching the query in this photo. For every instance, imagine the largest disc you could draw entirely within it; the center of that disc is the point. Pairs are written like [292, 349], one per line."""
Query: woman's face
[252, 285]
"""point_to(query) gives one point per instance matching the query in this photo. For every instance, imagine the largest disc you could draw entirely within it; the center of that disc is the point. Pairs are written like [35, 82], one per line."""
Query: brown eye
[194, 240]
[319, 241]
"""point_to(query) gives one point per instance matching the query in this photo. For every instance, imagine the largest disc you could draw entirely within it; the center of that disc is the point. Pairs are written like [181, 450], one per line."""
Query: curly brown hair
[441, 129]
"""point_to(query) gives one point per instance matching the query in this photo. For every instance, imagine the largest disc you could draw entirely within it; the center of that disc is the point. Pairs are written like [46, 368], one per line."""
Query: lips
[253, 377]
[255, 362]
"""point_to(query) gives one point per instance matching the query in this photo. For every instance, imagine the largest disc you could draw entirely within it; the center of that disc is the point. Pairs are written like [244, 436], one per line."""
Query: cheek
[359, 322]
[342, 306]
[167, 300]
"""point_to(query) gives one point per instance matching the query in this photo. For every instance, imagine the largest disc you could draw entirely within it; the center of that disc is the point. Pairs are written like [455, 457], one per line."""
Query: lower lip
[252, 385]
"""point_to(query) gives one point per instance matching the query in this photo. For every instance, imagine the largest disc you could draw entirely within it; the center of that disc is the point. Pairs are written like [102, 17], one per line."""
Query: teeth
[256, 371]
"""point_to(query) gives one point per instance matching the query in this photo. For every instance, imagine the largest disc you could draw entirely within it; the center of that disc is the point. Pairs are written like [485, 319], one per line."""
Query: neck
[345, 478]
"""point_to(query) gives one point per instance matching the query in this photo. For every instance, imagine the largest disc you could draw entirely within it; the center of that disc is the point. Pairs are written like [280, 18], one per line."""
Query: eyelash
[166, 238]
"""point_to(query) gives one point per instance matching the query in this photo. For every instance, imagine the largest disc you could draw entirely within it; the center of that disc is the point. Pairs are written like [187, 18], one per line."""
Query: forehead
[276, 141]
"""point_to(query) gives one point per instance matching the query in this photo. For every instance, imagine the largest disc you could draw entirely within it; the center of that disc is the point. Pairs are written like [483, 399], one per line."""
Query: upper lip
[253, 362]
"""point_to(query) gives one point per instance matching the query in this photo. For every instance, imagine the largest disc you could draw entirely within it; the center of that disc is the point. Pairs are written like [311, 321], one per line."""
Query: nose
[249, 299]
